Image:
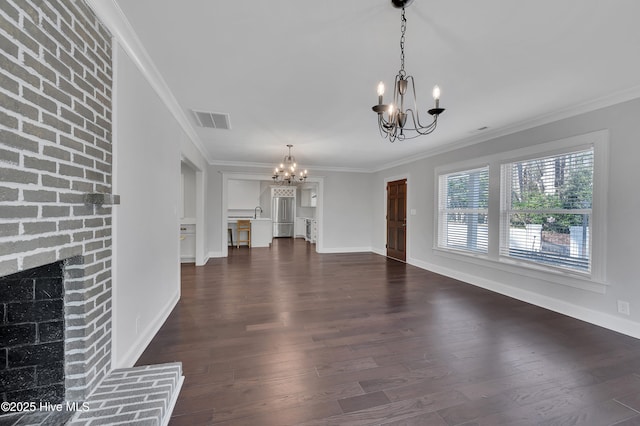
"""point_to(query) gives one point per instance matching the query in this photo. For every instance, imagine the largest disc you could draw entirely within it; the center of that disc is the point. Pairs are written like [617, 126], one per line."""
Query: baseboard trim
[215, 254]
[345, 250]
[204, 262]
[129, 359]
[381, 252]
[608, 321]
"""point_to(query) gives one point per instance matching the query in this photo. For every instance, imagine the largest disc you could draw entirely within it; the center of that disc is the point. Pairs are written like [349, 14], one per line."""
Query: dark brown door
[397, 219]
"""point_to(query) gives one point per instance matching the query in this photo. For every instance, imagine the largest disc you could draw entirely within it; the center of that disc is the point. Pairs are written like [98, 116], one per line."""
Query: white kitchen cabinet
[314, 231]
[187, 243]
[300, 227]
[261, 233]
[308, 197]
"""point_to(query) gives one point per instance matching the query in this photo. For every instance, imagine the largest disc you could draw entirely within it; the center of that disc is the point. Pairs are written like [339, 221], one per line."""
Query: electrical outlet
[623, 307]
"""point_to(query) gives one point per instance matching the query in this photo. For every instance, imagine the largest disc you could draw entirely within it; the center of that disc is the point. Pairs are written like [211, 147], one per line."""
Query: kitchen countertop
[235, 219]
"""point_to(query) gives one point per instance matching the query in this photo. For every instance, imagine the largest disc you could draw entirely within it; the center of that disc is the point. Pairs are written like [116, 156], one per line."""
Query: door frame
[406, 176]
[226, 175]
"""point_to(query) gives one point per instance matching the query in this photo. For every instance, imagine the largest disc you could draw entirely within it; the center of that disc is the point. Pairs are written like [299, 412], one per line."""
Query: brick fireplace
[55, 151]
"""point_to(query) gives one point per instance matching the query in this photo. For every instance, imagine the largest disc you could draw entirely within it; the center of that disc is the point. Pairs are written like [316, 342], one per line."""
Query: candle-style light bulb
[436, 95]
[436, 92]
[380, 92]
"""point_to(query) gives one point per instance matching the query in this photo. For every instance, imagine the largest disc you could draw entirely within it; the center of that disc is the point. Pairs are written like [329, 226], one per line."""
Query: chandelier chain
[403, 29]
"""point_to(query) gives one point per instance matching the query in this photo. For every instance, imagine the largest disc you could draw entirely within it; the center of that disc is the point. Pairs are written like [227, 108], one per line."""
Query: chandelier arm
[428, 129]
[381, 126]
[421, 127]
[415, 103]
[421, 130]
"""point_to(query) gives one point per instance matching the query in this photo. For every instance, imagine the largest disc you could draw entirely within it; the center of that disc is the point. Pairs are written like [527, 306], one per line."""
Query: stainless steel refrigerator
[283, 215]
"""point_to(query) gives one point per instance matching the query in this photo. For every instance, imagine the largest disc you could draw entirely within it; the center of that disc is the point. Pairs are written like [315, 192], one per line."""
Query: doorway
[397, 219]
[317, 182]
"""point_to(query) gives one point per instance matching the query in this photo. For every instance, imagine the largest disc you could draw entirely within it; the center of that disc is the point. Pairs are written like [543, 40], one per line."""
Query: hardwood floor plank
[287, 336]
[361, 402]
[288, 416]
[485, 406]
[606, 413]
[634, 421]
[394, 411]
[430, 419]
[632, 401]
[405, 379]
[341, 367]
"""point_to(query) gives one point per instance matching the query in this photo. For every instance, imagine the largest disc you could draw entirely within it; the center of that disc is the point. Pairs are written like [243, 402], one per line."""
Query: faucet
[255, 212]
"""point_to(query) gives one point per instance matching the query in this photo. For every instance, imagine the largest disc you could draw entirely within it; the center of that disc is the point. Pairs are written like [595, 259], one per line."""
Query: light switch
[413, 212]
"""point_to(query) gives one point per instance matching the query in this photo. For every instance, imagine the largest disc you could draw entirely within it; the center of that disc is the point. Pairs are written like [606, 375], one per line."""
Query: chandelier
[286, 173]
[394, 120]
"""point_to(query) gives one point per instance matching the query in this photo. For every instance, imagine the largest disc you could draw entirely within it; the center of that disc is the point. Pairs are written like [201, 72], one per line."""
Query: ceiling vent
[212, 120]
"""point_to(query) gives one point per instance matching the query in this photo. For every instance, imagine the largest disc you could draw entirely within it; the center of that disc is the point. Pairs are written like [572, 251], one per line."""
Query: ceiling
[305, 72]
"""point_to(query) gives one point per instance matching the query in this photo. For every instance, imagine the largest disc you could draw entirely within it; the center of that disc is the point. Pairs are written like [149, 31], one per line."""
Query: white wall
[348, 213]
[192, 157]
[189, 190]
[147, 152]
[243, 194]
[265, 198]
[622, 224]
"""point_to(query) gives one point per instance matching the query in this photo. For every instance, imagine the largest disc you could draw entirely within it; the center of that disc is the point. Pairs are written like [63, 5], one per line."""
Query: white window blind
[462, 210]
[547, 209]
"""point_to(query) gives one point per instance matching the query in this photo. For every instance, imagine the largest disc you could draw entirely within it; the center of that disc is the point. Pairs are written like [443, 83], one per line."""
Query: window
[462, 221]
[546, 210]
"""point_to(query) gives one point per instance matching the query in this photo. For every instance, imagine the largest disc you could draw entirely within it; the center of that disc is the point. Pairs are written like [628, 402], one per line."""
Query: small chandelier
[399, 120]
[286, 173]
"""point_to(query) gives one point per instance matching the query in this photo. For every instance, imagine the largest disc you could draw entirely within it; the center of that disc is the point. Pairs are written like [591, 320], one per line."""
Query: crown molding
[270, 166]
[111, 15]
[561, 114]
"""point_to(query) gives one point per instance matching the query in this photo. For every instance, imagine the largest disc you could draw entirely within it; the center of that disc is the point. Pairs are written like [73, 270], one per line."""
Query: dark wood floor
[285, 336]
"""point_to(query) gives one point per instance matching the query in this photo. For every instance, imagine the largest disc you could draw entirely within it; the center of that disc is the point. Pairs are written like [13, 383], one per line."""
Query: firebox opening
[32, 359]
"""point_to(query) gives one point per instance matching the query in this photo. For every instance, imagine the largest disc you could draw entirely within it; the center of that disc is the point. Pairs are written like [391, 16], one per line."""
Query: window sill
[554, 276]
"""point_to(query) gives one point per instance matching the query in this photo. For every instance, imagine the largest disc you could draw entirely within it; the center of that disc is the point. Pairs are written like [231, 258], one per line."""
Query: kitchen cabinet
[314, 231]
[261, 233]
[301, 227]
[308, 197]
[311, 230]
[187, 243]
